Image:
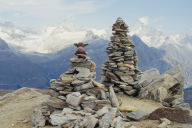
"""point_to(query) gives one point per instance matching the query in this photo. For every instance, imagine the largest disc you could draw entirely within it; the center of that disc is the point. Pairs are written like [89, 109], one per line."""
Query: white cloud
[160, 18]
[144, 20]
[17, 15]
[70, 17]
[52, 8]
[159, 29]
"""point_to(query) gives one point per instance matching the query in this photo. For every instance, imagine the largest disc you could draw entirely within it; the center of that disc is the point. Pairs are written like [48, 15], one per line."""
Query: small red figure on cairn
[80, 53]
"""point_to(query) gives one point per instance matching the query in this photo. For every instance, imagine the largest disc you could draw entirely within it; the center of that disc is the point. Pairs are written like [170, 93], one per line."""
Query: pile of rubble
[120, 70]
[166, 88]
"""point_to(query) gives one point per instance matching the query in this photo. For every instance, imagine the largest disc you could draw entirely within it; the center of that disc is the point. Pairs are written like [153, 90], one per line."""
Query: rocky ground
[16, 109]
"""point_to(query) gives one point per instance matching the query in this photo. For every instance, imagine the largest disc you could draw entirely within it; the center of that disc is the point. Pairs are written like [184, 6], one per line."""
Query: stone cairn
[77, 101]
[120, 70]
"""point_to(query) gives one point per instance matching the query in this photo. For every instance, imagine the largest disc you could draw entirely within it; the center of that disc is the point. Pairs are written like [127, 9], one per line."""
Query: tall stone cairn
[120, 70]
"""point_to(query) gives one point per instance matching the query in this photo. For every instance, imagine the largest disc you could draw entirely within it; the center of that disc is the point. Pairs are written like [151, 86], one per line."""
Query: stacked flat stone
[120, 70]
[76, 99]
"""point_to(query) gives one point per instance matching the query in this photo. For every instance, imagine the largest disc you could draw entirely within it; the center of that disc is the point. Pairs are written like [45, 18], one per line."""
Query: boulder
[113, 98]
[138, 115]
[179, 115]
[166, 81]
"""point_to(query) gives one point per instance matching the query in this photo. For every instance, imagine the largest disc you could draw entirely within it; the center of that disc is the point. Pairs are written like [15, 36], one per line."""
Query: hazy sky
[170, 16]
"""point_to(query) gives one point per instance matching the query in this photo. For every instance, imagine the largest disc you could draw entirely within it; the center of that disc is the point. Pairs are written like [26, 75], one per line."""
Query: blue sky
[170, 16]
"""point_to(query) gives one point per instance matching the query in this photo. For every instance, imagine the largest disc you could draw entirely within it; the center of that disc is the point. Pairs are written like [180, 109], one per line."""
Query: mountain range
[32, 57]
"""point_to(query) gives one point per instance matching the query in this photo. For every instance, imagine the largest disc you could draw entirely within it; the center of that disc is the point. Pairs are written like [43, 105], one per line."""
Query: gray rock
[55, 103]
[74, 100]
[148, 76]
[60, 117]
[77, 82]
[133, 126]
[84, 86]
[86, 64]
[88, 104]
[111, 75]
[90, 98]
[88, 110]
[113, 98]
[91, 122]
[103, 95]
[62, 97]
[182, 105]
[125, 87]
[105, 121]
[103, 102]
[165, 120]
[78, 108]
[137, 86]
[167, 81]
[53, 93]
[37, 118]
[102, 111]
[83, 73]
[126, 119]
[127, 78]
[138, 115]
[120, 114]
[166, 104]
[116, 122]
[177, 101]
[131, 92]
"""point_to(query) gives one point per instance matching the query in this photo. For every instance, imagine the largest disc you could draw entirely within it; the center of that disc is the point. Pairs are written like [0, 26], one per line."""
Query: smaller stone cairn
[76, 100]
[120, 70]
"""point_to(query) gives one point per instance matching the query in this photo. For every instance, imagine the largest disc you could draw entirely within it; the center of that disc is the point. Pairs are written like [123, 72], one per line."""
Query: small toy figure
[80, 53]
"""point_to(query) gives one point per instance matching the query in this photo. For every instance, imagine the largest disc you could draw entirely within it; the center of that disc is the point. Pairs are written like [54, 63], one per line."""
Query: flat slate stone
[138, 115]
[85, 64]
[84, 86]
[83, 73]
[74, 100]
[113, 97]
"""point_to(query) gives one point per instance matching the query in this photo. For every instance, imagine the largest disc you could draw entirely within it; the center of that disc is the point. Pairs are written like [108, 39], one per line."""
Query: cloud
[144, 20]
[160, 18]
[17, 15]
[70, 17]
[159, 29]
[53, 8]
